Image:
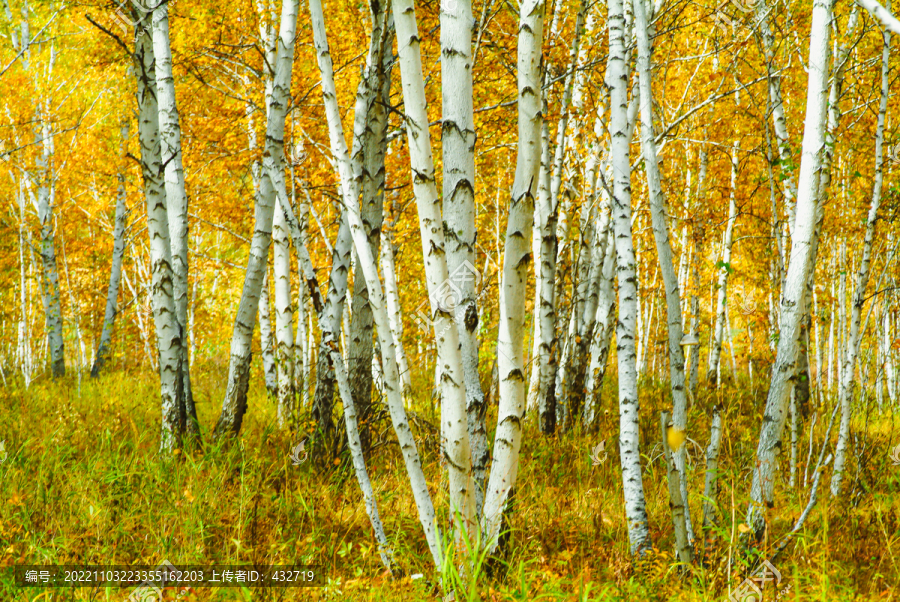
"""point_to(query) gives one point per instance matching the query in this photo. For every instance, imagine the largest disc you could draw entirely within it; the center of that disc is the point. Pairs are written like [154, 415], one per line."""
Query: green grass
[83, 484]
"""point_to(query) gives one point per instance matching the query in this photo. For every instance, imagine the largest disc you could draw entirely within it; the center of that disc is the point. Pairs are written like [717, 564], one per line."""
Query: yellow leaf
[675, 438]
[743, 528]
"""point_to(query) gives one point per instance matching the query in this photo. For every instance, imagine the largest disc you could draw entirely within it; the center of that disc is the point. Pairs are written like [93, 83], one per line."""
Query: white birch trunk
[349, 188]
[458, 146]
[454, 420]
[234, 404]
[168, 331]
[792, 309]
[266, 340]
[715, 348]
[602, 335]
[681, 516]
[284, 321]
[393, 306]
[629, 439]
[510, 352]
[862, 280]
[115, 274]
[176, 197]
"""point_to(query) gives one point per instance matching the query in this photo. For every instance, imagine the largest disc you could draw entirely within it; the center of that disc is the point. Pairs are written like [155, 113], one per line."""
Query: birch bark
[510, 351]
[629, 439]
[176, 196]
[458, 149]
[115, 274]
[454, 419]
[168, 331]
[350, 191]
[681, 516]
[862, 280]
[234, 404]
[792, 309]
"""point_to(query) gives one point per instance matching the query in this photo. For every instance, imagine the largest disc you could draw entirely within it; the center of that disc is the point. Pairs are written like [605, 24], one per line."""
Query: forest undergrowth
[82, 483]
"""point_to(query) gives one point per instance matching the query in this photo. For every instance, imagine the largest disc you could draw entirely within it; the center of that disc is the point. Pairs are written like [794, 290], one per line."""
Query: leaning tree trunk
[168, 331]
[862, 280]
[115, 273]
[792, 309]
[629, 437]
[681, 516]
[349, 177]
[362, 350]
[510, 344]
[234, 405]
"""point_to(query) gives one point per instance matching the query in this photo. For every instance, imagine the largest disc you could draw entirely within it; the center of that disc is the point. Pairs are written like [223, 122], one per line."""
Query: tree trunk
[458, 146]
[629, 439]
[792, 309]
[176, 197]
[724, 265]
[234, 404]
[680, 516]
[266, 342]
[115, 274]
[393, 305]
[284, 321]
[862, 281]
[362, 356]
[349, 186]
[510, 352]
[168, 330]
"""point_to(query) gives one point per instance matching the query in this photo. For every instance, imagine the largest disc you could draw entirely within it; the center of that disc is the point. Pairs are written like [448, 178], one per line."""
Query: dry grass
[82, 484]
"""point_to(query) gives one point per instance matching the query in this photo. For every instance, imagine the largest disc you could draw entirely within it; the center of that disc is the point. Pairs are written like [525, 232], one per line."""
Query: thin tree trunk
[115, 274]
[862, 280]
[712, 372]
[234, 405]
[681, 516]
[602, 335]
[792, 309]
[393, 305]
[349, 182]
[266, 340]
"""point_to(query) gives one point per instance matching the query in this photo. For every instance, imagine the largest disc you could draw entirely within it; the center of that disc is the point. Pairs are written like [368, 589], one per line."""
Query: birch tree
[854, 338]
[168, 332]
[115, 273]
[680, 515]
[176, 197]
[350, 192]
[234, 404]
[458, 149]
[454, 420]
[792, 309]
[516, 255]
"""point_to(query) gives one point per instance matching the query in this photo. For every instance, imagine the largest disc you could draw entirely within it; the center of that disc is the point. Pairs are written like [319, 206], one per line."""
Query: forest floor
[81, 483]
